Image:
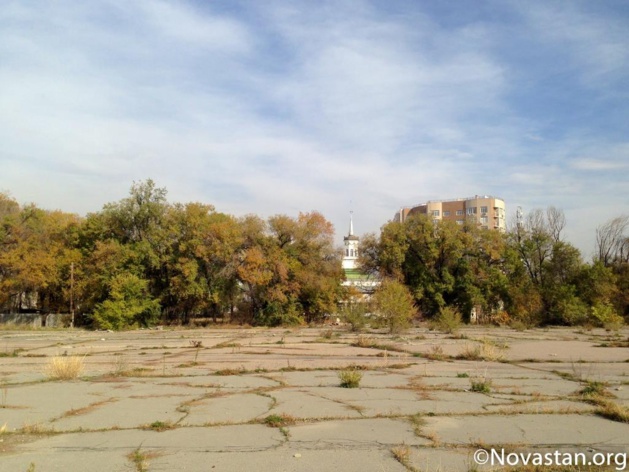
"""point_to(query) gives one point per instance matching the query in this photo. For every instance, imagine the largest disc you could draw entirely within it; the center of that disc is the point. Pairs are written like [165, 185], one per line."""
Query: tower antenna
[351, 219]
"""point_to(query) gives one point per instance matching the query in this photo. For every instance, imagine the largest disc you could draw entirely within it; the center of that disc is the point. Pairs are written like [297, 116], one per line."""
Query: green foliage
[279, 421]
[566, 308]
[442, 264]
[604, 314]
[448, 320]
[278, 314]
[480, 385]
[142, 259]
[353, 313]
[129, 304]
[393, 303]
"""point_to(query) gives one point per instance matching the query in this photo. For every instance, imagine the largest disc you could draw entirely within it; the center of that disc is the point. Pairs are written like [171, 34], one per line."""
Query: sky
[288, 106]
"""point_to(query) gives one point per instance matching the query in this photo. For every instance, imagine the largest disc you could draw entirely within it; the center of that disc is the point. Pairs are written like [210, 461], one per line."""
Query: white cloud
[598, 164]
[292, 107]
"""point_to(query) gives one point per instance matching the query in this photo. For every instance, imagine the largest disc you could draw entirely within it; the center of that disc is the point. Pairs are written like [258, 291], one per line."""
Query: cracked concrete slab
[136, 379]
[233, 408]
[354, 434]
[569, 429]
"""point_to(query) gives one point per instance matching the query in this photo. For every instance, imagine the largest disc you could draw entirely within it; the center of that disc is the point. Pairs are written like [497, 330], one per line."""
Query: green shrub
[278, 314]
[350, 378]
[129, 304]
[481, 385]
[604, 314]
[448, 320]
[571, 310]
[394, 305]
[353, 314]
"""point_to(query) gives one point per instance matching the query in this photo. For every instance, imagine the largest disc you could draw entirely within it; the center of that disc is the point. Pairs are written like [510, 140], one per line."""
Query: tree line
[529, 275]
[143, 260]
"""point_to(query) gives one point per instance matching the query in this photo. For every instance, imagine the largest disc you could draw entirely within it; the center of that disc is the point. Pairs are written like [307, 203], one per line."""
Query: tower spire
[351, 223]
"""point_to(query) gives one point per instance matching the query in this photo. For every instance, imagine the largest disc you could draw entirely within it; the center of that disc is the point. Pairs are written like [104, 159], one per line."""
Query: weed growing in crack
[402, 454]
[485, 351]
[481, 386]
[36, 428]
[480, 383]
[121, 366]
[229, 371]
[594, 389]
[159, 426]
[140, 459]
[436, 353]
[417, 421]
[613, 411]
[279, 421]
[350, 378]
[364, 341]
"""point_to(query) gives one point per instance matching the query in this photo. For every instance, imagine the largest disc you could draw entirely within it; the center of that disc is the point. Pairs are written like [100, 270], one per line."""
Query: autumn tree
[289, 270]
[37, 249]
[201, 261]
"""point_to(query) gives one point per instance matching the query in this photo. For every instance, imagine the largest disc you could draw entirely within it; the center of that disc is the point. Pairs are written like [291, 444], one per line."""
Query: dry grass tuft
[482, 352]
[613, 411]
[364, 341]
[36, 428]
[436, 353]
[64, 367]
[231, 371]
[418, 423]
[402, 454]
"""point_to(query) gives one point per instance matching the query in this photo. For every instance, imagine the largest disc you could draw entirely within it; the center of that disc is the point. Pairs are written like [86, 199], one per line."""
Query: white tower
[351, 246]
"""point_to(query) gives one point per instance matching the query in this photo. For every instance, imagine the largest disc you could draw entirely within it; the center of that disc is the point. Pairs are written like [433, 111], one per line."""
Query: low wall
[34, 320]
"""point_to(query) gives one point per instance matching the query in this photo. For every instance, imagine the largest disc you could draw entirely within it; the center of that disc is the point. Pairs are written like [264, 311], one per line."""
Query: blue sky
[287, 106]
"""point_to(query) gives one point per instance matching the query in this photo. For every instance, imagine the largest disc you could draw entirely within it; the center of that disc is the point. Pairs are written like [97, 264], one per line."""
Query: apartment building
[486, 210]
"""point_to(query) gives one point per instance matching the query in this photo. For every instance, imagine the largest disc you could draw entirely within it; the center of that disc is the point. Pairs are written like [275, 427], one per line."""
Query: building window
[446, 213]
[459, 222]
[459, 212]
[471, 211]
[483, 220]
[435, 213]
[483, 210]
[346, 252]
[435, 221]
